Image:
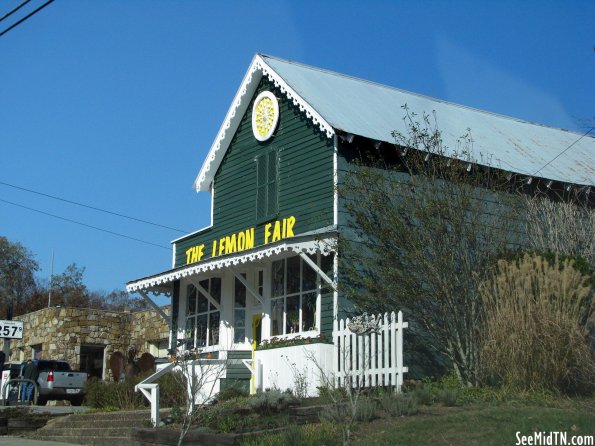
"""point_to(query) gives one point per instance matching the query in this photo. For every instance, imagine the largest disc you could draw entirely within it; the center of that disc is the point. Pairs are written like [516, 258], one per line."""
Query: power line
[84, 224]
[26, 17]
[14, 10]
[54, 197]
[562, 152]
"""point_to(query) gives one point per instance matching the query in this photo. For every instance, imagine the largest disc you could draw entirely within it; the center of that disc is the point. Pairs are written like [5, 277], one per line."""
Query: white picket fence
[372, 359]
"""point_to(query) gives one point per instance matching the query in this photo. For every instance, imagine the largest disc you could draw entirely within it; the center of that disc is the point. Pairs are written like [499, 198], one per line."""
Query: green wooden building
[265, 267]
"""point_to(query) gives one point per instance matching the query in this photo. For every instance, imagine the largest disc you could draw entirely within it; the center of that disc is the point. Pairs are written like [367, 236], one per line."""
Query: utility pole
[6, 343]
[51, 281]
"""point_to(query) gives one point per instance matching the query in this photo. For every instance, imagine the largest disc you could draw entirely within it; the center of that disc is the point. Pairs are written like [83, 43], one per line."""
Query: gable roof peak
[338, 102]
[259, 67]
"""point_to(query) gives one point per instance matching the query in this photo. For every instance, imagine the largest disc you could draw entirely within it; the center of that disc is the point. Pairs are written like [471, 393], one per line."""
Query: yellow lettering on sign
[249, 238]
[195, 253]
[279, 229]
[290, 223]
[242, 240]
[267, 232]
[230, 244]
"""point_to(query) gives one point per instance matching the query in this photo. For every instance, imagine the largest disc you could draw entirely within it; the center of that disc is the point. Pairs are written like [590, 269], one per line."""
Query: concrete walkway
[19, 441]
[55, 410]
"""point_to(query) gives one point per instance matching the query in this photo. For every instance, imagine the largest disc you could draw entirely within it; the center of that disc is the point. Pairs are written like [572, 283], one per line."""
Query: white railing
[150, 389]
[372, 358]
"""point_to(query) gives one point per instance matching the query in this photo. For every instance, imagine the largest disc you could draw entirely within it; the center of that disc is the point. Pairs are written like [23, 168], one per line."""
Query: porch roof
[162, 283]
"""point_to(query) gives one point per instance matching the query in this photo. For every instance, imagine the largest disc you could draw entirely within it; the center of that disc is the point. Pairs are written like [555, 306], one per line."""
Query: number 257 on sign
[11, 329]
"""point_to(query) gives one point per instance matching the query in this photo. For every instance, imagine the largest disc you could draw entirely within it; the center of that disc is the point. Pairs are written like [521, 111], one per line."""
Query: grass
[491, 422]
[482, 424]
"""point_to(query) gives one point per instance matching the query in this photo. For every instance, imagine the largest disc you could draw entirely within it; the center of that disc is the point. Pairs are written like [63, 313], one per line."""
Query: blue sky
[115, 103]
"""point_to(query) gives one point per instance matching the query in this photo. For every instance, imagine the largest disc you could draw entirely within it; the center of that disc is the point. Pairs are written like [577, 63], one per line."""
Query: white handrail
[151, 391]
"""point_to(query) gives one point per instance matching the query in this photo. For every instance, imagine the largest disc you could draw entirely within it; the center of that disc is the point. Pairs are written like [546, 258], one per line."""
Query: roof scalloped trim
[250, 82]
[309, 247]
[297, 100]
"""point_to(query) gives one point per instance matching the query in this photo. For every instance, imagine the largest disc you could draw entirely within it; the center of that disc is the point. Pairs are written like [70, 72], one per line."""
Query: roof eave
[258, 68]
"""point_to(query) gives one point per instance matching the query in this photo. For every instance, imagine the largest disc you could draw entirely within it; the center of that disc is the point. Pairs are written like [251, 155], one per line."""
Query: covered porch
[250, 308]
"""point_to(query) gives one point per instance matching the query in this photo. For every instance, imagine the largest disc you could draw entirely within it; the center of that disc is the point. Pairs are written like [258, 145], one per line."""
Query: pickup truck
[57, 381]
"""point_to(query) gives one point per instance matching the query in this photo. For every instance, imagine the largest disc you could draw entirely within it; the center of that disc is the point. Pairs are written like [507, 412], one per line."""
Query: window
[260, 284]
[294, 291]
[158, 348]
[239, 311]
[266, 185]
[202, 317]
[37, 351]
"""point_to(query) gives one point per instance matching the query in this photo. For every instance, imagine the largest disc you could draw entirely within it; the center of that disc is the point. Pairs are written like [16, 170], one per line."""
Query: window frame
[195, 315]
[300, 294]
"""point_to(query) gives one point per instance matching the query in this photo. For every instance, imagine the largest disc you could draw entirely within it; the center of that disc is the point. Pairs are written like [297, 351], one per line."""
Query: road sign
[11, 329]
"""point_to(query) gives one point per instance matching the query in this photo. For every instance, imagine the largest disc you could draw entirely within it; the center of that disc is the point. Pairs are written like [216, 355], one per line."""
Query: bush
[231, 393]
[448, 397]
[172, 390]
[423, 394]
[536, 336]
[365, 410]
[398, 404]
[121, 395]
[104, 395]
[326, 393]
[273, 401]
[235, 415]
[323, 433]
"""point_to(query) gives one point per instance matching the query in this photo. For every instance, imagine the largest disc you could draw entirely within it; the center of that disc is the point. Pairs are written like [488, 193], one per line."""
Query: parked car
[57, 381]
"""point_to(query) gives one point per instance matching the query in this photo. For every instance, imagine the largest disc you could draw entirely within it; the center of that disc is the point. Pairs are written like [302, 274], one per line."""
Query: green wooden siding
[304, 179]
[239, 370]
[326, 315]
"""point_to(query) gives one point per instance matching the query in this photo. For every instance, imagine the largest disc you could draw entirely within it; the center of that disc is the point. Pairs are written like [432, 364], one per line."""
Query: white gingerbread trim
[297, 100]
[257, 69]
[310, 246]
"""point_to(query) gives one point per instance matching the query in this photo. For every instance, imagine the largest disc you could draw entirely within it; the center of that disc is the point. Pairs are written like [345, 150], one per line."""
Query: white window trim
[208, 313]
[300, 294]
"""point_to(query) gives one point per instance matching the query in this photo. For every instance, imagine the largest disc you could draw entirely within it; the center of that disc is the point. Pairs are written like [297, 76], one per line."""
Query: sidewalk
[19, 441]
[56, 410]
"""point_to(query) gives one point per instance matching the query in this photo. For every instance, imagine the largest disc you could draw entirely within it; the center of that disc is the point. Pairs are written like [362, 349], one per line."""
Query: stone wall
[60, 332]
[148, 326]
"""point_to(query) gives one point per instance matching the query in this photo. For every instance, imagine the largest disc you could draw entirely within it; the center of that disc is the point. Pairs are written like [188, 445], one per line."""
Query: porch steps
[96, 429]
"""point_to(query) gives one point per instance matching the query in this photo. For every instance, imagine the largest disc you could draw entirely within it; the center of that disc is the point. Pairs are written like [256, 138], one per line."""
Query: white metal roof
[338, 102]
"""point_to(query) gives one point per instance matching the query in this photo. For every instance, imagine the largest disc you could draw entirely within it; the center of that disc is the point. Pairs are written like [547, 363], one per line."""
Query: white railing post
[151, 391]
[400, 368]
[393, 350]
[336, 354]
[370, 359]
[387, 340]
